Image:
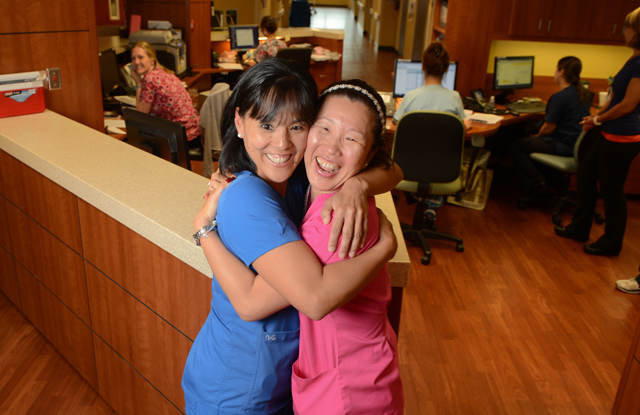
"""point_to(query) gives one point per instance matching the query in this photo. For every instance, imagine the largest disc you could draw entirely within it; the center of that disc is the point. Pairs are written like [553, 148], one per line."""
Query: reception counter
[96, 251]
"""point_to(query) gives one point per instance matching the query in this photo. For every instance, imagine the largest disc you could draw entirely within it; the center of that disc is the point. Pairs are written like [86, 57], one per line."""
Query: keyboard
[527, 107]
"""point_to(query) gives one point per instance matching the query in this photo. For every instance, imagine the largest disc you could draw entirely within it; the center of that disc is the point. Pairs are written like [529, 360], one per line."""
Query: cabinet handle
[549, 26]
[614, 28]
[539, 25]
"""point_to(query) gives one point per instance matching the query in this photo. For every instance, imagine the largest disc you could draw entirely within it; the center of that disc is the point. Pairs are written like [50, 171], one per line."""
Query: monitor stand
[503, 97]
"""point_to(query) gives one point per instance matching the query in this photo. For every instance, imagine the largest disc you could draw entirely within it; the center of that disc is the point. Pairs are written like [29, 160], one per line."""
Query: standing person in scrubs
[609, 159]
[240, 367]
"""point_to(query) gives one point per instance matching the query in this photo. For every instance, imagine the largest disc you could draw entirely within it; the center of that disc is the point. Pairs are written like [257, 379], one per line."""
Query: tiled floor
[360, 58]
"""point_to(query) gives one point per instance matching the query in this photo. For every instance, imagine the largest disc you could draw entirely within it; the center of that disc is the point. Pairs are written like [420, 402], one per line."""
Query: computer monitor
[110, 74]
[513, 72]
[451, 76]
[408, 76]
[160, 137]
[243, 37]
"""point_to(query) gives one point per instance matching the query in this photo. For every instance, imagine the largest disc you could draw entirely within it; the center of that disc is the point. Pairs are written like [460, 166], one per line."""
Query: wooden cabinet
[544, 18]
[604, 20]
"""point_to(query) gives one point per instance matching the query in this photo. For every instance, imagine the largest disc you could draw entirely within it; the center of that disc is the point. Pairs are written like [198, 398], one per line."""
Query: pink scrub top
[348, 361]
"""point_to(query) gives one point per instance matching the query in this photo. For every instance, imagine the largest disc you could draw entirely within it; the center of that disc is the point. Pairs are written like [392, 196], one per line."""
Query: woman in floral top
[160, 92]
[271, 46]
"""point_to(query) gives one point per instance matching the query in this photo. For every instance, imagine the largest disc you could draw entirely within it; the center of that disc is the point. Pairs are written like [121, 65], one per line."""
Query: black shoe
[566, 233]
[600, 249]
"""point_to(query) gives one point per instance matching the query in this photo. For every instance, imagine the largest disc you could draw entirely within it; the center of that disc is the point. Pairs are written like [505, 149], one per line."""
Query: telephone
[479, 103]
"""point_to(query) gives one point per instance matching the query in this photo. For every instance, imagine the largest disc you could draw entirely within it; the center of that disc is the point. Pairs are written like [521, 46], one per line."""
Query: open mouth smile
[326, 166]
[278, 159]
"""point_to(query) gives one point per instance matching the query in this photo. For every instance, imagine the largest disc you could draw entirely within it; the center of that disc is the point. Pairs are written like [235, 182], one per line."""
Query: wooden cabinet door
[562, 19]
[544, 18]
[604, 20]
[528, 18]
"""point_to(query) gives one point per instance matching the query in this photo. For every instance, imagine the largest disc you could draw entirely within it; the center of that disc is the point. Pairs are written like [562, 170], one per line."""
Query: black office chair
[568, 165]
[301, 55]
[429, 147]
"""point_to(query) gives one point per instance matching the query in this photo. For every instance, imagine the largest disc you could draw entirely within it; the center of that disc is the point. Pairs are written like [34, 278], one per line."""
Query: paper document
[485, 118]
[230, 66]
[115, 126]
[126, 99]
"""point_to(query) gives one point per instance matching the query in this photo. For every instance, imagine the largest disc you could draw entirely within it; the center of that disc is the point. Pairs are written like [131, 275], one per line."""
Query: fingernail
[342, 255]
[332, 248]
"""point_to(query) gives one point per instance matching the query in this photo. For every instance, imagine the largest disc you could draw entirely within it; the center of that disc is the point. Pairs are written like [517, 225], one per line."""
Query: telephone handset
[477, 102]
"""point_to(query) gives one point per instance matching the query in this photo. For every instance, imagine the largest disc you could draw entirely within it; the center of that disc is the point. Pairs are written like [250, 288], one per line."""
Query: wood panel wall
[470, 44]
[122, 311]
[37, 35]
[103, 17]
[192, 16]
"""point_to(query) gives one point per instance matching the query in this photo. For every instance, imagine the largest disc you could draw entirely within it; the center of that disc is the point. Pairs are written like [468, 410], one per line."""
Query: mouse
[515, 113]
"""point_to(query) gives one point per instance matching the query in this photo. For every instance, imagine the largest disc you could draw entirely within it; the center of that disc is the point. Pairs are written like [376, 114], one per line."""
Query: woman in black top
[609, 159]
[558, 135]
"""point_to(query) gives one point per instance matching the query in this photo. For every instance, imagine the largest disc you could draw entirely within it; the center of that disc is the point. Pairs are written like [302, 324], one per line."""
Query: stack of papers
[115, 126]
[485, 118]
[126, 99]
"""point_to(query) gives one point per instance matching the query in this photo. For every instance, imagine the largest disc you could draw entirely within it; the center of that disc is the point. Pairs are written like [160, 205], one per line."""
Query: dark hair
[381, 157]
[633, 21]
[269, 23]
[572, 67]
[266, 92]
[435, 60]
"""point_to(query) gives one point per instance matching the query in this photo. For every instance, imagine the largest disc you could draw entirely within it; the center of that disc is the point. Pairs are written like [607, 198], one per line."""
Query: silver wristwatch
[204, 231]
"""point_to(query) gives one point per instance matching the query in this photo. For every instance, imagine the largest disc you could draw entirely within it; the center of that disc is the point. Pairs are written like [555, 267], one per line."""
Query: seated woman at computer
[560, 130]
[271, 46]
[160, 92]
[433, 97]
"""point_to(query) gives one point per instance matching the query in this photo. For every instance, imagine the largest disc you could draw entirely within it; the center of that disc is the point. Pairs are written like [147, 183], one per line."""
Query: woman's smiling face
[276, 148]
[339, 143]
[141, 61]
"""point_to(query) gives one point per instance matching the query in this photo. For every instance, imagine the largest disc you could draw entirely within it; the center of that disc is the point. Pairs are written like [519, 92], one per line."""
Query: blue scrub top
[234, 366]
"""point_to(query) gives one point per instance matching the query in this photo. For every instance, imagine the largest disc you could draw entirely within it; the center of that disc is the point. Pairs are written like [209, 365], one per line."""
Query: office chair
[429, 147]
[568, 166]
[210, 117]
[301, 55]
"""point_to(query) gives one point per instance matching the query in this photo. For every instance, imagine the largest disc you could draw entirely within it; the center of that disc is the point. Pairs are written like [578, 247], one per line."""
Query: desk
[485, 130]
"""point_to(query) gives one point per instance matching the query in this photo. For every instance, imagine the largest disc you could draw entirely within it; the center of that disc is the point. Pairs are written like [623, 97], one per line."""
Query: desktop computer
[511, 73]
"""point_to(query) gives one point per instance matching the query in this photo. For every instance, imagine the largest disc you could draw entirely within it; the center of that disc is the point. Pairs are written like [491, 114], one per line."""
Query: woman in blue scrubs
[239, 367]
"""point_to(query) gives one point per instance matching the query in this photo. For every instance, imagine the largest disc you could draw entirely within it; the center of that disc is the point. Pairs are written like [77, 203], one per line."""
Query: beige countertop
[156, 199]
[288, 33]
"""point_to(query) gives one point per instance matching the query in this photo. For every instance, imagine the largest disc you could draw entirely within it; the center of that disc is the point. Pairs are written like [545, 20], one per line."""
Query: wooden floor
[522, 322]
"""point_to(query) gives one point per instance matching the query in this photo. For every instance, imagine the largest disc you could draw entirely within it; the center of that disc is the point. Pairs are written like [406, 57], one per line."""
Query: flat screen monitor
[513, 72]
[110, 73]
[450, 77]
[243, 37]
[160, 137]
[408, 76]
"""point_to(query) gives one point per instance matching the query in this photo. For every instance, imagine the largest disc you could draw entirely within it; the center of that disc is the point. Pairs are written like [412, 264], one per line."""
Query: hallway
[360, 58]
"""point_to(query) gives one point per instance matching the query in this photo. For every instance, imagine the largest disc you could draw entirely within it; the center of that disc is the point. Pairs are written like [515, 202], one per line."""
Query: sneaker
[435, 201]
[628, 286]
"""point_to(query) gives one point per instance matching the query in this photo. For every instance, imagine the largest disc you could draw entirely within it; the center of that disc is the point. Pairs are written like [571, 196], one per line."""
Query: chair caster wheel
[426, 260]
[599, 219]
[522, 204]
[459, 248]
[557, 220]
